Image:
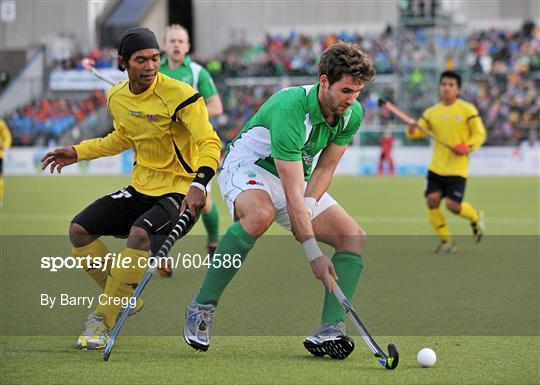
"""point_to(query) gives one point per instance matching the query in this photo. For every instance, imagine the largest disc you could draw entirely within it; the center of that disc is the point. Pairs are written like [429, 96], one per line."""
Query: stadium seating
[43, 121]
[504, 66]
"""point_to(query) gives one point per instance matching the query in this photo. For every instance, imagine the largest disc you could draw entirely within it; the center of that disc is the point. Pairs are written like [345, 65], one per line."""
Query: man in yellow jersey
[457, 123]
[165, 122]
[178, 65]
[5, 143]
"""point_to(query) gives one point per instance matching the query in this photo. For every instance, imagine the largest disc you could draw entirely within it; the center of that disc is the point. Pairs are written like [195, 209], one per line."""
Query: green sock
[348, 268]
[211, 223]
[235, 242]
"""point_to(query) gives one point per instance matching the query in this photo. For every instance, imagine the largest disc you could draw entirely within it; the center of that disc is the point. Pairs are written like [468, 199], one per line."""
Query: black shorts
[1, 166]
[452, 187]
[116, 213]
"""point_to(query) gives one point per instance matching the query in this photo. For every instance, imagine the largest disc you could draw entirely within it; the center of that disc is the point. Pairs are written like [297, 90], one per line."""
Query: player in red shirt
[386, 153]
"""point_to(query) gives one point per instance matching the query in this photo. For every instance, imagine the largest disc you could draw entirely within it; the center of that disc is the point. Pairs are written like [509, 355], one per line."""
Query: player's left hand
[194, 201]
[461, 149]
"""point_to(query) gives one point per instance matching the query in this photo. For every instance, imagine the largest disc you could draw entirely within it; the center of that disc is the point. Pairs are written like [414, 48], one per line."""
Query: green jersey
[290, 126]
[191, 73]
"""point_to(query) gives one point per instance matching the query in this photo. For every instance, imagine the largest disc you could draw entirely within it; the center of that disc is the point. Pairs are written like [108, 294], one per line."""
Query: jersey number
[121, 194]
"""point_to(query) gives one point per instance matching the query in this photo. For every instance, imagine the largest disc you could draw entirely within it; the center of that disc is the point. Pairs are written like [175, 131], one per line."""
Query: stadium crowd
[102, 57]
[506, 80]
[44, 120]
[504, 66]
[298, 54]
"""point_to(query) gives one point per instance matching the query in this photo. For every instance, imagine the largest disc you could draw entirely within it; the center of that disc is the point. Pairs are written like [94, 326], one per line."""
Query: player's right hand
[323, 269]
[411, 128]
[194, 200]
[59, 158]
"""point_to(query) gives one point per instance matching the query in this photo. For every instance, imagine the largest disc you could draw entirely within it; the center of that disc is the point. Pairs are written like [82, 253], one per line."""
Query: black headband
[136, 39]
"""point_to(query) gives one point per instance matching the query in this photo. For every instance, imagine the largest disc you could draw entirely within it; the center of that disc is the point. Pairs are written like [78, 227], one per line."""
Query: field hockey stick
[88, 65]
[411, 121]
[388, 360]
[179, 230]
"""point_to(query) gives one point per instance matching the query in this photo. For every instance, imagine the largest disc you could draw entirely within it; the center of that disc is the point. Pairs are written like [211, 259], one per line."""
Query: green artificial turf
[478, 309]
[266, 360]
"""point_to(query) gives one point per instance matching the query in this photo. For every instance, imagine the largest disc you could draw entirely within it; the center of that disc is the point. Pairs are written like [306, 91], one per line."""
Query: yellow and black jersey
[456, 123]
[5, 137]
[167, 126]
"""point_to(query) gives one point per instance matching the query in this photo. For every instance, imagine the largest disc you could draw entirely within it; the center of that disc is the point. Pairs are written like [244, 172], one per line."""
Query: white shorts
[238, 176]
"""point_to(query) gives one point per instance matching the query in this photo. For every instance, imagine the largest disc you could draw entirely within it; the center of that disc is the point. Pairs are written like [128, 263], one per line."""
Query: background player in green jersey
[178, 65]
[267, 176]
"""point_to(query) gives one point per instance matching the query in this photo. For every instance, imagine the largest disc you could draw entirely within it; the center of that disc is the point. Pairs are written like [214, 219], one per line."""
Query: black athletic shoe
[478, 228]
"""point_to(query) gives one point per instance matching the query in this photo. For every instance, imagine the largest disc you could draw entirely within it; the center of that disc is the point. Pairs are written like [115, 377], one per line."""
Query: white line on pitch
[452, 219]
[36, 217]
[499, 220]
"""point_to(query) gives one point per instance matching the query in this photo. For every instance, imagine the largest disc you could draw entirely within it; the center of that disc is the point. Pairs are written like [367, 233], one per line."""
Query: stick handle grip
[337, 291]
[397, 112]
[410, 120]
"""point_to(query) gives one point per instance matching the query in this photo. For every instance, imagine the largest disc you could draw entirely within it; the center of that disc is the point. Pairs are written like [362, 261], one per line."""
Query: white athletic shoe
[331, 339]
[198, 329]
[445, 247]
[95, 334]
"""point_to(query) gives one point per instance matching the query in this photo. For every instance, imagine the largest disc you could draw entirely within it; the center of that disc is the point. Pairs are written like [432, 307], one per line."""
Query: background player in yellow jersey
[457, 123]
[165, 122]
[5, 143]
[178, 65]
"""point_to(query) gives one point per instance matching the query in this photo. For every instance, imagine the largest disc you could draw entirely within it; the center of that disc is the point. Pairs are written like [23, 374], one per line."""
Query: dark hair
[120, 68]
[346, 59]
[451, 75]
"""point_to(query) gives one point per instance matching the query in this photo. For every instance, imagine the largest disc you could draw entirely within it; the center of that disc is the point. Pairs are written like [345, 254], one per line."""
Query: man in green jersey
[267, 176]
[178, 65]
